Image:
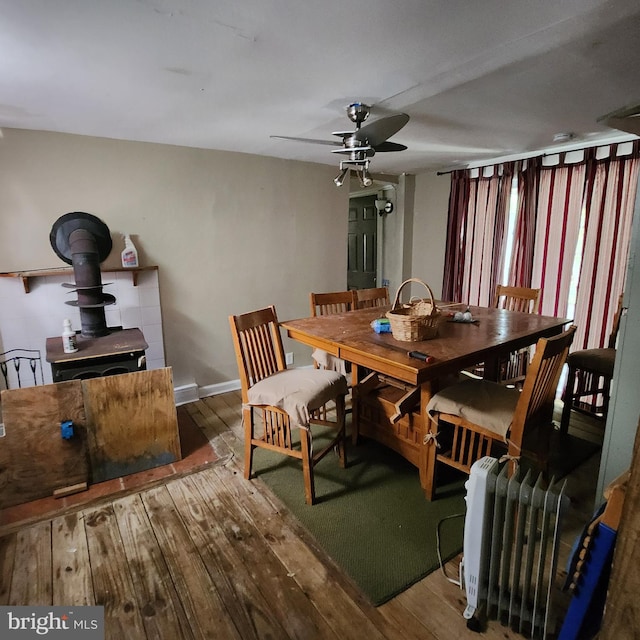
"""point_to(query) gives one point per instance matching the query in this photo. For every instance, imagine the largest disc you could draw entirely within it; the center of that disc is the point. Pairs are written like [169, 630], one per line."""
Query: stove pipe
[88, 281]
[84, 241]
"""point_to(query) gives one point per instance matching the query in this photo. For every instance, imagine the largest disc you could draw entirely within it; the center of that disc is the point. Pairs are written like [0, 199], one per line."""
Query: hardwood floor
[210, 555]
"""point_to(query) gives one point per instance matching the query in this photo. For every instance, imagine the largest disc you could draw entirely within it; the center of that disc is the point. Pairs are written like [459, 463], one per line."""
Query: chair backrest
[517, 299]
[326, 304]
[258, 346]
[21, 368]
[369, 298]
[536, 401]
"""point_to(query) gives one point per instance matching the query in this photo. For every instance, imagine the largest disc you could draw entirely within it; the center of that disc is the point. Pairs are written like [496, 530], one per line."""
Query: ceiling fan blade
[377, 132]
[390, 146]
[331, 143]
[627, 119]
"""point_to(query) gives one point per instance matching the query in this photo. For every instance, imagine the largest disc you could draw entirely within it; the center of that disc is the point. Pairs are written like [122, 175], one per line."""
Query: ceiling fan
[362, 144]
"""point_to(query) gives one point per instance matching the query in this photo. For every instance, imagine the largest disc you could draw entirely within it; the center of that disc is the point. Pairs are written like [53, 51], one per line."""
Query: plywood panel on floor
[132, 423]
[35, 460]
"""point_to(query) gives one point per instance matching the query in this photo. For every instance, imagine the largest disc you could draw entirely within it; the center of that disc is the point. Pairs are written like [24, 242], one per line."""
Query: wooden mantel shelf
[64, 271]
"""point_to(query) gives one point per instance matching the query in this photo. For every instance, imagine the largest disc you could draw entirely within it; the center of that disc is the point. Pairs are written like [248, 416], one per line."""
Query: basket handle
[424, 284]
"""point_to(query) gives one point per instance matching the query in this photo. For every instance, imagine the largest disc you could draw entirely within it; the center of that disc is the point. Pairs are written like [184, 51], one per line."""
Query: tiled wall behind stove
[28, 319]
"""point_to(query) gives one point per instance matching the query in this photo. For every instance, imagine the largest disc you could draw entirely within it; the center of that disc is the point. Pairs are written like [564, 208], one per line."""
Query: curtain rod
[545, 154]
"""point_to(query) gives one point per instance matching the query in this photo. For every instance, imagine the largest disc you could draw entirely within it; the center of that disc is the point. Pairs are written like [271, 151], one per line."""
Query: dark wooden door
[362, 243]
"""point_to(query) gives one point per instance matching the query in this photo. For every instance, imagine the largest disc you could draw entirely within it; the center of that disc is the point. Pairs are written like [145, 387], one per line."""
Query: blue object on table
[66, 429]
[381, 325]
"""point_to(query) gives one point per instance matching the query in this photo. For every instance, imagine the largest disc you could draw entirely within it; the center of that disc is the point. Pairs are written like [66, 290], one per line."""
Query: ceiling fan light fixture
[339, 179]
[365, 178]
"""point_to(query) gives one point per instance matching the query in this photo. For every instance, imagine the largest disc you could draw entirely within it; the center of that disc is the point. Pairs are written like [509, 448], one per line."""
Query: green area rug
[372, 518]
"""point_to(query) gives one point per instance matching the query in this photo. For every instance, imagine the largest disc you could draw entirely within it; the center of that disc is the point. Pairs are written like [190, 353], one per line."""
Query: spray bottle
[129, 254]
[69, 344]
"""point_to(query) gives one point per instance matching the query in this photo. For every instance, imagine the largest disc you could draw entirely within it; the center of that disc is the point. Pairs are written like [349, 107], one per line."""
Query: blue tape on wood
[66, 429]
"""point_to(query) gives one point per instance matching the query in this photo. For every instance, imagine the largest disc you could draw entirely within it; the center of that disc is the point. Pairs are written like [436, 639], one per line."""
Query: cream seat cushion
[298, 392]
[327, 361]
[488, 404]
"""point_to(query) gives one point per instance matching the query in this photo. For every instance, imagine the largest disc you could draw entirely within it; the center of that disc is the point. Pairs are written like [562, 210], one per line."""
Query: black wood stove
[84, 241]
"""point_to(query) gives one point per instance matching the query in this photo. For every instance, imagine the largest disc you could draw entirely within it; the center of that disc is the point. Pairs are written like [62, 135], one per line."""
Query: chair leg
[428, 462]
[606, 397]
[340, 418]
[307, 467]
[247, 418]
[567, 399]
[354, 405]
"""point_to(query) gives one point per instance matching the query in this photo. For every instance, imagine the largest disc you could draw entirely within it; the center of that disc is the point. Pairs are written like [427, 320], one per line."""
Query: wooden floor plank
[7, 557]
[238, 579]
[113, 586]
[159, 603]
[400, 617]
[293, 607]
[336, 597]
[200, 598]
[233, 399]
[207, 420]
[72, 580]
[31, 583]
[230, 415]
[215, 430]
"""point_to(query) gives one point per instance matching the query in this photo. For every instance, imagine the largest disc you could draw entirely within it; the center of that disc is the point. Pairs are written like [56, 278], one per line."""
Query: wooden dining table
[391, 389]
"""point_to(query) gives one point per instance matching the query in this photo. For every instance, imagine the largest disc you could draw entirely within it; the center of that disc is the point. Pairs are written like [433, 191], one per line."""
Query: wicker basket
[416, 320]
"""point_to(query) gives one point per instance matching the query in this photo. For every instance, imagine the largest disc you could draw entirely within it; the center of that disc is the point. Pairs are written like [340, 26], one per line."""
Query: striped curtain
[475, 235]
[521, 266]
[558, 212]
[455, 247]
[612, 183]
[580, 201]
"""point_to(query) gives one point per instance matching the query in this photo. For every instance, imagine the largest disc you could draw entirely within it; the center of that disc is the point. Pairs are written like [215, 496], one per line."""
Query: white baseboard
[216, 389]
[185, 393]
[191, 392]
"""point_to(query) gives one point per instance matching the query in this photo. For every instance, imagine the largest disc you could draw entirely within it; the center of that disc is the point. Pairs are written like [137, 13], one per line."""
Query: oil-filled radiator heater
[511, 536]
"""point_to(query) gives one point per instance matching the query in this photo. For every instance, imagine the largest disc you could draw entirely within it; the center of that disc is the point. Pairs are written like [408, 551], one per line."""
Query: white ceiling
[480, 80]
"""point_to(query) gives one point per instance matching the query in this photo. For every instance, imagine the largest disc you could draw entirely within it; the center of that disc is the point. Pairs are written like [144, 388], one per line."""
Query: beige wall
[430, 229]
[230, 232]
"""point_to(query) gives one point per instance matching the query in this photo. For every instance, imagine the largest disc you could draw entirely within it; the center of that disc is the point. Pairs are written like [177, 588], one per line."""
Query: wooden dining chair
[517, 299]
[477, 418]
[513, 369]
[326, 304]
[370, 298]
[588, 386]
[286, 399]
